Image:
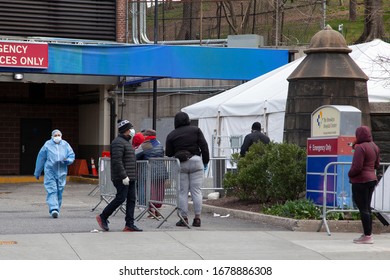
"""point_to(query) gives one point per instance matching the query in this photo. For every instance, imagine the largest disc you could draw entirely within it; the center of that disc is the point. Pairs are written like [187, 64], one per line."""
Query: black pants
[362, 195]
[123, 193]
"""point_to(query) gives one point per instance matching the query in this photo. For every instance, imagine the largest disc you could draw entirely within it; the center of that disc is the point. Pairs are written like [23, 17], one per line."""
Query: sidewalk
[28, 233]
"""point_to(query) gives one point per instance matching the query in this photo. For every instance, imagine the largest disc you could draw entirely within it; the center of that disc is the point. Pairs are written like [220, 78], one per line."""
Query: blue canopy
[160, 61]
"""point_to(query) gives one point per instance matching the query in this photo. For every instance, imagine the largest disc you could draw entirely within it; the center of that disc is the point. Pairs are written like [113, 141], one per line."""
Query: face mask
[57, 139]
[132, 132]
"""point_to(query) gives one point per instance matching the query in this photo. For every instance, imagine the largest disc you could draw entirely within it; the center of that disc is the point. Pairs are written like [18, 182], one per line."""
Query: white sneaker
[364, 239]
[54, 214]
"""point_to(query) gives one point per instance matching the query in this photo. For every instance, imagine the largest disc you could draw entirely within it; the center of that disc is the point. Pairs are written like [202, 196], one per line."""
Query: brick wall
[121, 21]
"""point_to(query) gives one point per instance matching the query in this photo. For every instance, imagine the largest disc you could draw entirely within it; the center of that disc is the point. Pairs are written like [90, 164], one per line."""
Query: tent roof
[270, 90]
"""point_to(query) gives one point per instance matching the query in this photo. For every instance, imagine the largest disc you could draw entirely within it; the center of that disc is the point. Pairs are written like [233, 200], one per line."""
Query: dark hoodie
[365, 158]
[186, 138]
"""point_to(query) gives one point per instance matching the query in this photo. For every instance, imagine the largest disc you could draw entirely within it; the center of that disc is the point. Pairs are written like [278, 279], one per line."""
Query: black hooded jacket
[186, 137]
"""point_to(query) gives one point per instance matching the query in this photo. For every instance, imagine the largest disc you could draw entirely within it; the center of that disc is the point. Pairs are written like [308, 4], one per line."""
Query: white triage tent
[226, 118]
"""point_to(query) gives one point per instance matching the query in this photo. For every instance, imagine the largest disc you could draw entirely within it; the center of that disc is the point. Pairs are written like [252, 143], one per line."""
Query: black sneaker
[131, 228]
[181, 223]
[196, 222]
[102, 223]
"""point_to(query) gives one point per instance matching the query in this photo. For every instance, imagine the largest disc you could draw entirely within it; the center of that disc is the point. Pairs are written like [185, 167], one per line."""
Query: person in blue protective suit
[53, 158]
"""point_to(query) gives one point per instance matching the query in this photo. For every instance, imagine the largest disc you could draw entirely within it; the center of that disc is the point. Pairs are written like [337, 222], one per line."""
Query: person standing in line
[253, 137]
[137, 140]
[152, 148]
[123, 176]
[362, 176]
[187, 143]
[53, 158]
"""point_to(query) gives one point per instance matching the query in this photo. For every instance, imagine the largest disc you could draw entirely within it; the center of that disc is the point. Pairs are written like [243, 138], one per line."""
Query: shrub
[269, 173]
[302, 209]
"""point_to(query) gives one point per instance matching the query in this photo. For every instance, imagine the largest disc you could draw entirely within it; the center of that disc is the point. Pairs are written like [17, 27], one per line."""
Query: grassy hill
[299, 20]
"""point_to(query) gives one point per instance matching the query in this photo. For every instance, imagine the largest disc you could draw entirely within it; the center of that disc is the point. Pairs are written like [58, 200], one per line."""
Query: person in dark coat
[253, 137]
[363, 177]
[187, 143]
[123, 176]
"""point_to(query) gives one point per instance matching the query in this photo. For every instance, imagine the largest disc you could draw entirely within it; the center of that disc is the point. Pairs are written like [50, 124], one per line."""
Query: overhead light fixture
[18, 76]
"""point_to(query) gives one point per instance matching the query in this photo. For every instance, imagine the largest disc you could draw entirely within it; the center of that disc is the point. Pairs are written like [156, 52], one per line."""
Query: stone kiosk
[332, 130]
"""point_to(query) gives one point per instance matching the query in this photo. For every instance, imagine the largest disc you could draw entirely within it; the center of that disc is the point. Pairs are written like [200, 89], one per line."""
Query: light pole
[154, 116]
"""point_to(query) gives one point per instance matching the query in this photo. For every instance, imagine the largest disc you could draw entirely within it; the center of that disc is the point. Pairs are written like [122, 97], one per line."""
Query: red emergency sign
[26, 55]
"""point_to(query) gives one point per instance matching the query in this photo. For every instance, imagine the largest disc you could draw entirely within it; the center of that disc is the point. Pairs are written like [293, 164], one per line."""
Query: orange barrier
[78, 167]
[93, 167]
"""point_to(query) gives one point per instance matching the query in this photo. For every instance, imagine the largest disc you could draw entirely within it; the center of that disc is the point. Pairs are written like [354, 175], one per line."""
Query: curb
[32, 179]
[297, 225]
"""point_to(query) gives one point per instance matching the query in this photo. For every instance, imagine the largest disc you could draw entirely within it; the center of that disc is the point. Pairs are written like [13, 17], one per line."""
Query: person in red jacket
[362, 176]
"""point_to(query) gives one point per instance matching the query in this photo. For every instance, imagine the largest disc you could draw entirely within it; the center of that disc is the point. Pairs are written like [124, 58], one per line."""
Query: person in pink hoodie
[362, 176]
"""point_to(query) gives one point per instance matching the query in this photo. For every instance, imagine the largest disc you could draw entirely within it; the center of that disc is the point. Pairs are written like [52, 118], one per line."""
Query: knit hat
[256, 126]
[138, 139]
[124, 125]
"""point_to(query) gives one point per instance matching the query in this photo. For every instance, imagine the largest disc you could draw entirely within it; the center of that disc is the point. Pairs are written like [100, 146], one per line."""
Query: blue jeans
[123, 193]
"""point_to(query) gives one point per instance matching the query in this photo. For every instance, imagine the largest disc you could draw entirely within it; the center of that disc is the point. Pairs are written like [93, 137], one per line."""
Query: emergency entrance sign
[26, 55]
[334, 120]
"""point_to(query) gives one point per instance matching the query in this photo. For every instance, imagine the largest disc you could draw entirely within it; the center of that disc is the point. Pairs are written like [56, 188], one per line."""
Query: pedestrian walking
[53, 158]
[123, 176]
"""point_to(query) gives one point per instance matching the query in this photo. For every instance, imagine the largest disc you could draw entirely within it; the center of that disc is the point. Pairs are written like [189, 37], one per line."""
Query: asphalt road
[23, 210]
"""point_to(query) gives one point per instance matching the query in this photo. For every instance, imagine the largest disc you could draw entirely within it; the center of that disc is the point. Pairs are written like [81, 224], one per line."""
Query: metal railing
[157, 183]
[340, 198]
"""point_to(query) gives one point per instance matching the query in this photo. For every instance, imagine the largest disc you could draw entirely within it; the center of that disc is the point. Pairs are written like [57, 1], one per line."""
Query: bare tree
[190, 22]
[238, 26]
[373, 21]
[352, 10]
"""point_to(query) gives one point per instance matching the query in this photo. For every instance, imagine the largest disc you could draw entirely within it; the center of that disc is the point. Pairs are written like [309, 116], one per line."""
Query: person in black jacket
[187, 143]
[253, 137]
[123, 176]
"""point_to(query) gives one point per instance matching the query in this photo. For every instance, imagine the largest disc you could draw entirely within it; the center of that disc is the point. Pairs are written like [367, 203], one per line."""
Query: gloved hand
[126, 181]
[205, 167]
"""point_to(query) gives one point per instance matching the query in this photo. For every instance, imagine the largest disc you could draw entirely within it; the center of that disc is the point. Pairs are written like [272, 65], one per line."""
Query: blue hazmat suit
[53, 159]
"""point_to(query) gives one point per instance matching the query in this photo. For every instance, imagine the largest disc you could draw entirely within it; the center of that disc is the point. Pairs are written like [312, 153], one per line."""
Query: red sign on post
[330, 146]
[26, 55]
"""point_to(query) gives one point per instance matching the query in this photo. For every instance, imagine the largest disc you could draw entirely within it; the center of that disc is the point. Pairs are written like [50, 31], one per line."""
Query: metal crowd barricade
[162, 187]
[335, 201]
[141, 184]
[106, 187]
[158, 183]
